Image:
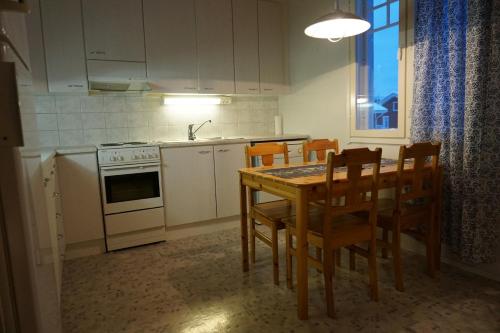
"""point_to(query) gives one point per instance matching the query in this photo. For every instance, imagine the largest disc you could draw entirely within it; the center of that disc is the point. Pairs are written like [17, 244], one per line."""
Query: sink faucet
[191, 133]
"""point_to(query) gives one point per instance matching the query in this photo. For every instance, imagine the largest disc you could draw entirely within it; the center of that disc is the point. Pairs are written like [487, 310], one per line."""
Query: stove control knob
[150, 156]
[122, 158]
[113, 158]
[143, 156]
[135, 157]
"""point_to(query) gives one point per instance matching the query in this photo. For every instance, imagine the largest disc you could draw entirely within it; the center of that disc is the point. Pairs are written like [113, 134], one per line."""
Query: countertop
[67, 150]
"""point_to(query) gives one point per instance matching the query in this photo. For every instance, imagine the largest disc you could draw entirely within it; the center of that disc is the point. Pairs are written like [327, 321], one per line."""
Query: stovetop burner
[121, 144]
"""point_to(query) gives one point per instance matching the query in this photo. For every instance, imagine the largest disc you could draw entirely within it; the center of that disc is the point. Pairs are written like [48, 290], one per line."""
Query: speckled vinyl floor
[196, 285]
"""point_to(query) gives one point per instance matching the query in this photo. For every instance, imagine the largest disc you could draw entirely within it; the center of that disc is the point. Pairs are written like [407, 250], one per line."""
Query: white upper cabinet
[246, 46]
[272, 48]
[228, 159]
[64, 48]
[113, 30]
[170, 31]
[214, 20]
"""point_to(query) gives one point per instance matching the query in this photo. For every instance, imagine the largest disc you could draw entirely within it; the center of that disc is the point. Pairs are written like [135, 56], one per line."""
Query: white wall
[319, 78]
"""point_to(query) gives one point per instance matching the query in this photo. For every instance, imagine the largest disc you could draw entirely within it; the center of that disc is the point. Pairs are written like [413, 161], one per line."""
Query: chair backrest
[320, 146]
[266, 151]
[354, 187]
[420, 182]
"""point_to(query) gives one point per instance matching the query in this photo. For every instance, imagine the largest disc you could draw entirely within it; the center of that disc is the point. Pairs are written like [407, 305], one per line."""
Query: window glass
[377, 69]
[394, 12]
[378, 2]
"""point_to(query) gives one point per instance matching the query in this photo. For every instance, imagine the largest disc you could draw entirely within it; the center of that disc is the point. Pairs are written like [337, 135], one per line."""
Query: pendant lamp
[337, 25]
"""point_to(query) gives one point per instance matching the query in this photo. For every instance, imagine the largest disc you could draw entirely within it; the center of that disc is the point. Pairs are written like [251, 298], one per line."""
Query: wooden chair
[413, 211]
[319, 146]
[337, 225]
[271, 213]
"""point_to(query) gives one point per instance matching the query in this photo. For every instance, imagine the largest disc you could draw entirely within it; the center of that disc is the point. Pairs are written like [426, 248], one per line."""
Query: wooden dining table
[302, 183]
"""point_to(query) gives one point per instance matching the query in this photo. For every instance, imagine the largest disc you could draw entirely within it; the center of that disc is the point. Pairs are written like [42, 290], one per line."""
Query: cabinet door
[214, 20]
[271, 48]
[170, 30]
[36, 47]
[246, 46]
[64, 49]
[114, 30]
[81, 197]
[188, 184]
[228, 159]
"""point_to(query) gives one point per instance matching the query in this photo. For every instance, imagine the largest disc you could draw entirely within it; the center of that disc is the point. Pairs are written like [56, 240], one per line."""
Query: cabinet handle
[97, 52]
[208, 88]
[204, 152]
[189, 88]
[252, 89]
[268, 89]
[75, 85]
[58, 215]
[60, 236]
[46, 181]
[57, 195]
[223, 150]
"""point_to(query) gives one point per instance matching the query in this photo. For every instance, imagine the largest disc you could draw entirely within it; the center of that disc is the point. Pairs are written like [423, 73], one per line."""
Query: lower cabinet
[228, 159]
[81, 197]
[201, 183]
[188, 184]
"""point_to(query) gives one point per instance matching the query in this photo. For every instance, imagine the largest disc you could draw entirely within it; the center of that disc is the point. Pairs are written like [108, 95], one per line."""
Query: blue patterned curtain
[457, 102]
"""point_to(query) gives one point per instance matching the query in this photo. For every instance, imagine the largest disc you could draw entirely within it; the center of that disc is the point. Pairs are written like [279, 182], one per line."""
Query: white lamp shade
[337, 25]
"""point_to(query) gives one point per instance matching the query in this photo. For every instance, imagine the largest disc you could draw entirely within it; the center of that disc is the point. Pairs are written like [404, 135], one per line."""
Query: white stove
[127, 153]
[132, 196]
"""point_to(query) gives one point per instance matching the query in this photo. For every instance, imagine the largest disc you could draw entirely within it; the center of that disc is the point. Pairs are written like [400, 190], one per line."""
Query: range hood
[117, 86]
[117, 76]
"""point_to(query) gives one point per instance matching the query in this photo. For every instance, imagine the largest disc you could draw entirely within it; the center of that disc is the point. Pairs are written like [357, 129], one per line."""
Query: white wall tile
[68, 121]
[46, 121]
[117, 135]
[116, 120]
[94, 120]
[48, 138]
[94, 136]
[139, 134]
[45, 104]
[71, 137]
[68, 104]
[137, 119]
[31, 138]
[160, 133]
[133, 104]
[92, 103]
[114, 103]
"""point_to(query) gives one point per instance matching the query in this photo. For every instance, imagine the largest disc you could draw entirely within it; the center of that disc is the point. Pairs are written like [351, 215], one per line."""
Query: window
[379, 69]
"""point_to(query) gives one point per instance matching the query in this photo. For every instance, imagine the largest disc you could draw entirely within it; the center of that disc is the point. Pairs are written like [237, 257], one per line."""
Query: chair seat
[345, 228]
[275, 211]
[411, 214]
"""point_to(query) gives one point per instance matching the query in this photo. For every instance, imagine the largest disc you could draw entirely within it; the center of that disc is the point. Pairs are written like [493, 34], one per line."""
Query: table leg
[244, 225]
[302, 253]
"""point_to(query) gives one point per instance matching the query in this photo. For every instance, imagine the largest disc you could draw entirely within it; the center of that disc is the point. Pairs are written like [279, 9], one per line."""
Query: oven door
[128, 188]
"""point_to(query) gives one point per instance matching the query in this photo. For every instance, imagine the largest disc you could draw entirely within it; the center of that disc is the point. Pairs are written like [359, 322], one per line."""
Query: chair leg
[328, 267]
[338, 256]
[430, 247]
[274, 240]
[319, 256]
[289, 271]
[352, 260]
[385, 238]
[252, 241]
[396, 254]
[372, 266]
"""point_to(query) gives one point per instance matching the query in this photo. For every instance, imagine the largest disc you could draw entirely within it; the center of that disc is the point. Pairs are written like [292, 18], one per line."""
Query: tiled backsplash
[62, 120]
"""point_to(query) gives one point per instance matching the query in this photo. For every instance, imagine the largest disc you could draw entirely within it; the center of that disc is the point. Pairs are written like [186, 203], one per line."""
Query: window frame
[405, 82]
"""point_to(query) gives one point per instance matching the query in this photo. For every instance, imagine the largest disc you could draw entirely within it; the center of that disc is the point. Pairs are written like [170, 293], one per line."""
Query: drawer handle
[189, 88]
[60, 236]
[268, 89]
[97, 52]
[204, 152]
[223, 150]
[208, 88]
[75, 85]
[252, 89]
[57, 195]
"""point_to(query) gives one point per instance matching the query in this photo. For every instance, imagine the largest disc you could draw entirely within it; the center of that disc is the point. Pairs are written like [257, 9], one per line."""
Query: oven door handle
[134, 166]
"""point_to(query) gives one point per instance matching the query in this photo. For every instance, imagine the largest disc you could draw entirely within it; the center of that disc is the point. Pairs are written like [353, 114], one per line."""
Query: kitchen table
[303, 183]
